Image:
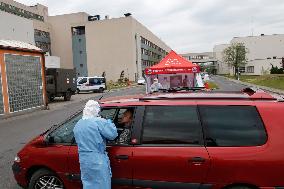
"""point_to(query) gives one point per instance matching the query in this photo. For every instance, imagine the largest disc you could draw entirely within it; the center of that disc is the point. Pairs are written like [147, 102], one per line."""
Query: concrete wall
[16, 28]
[262, 67]
[114, 45]
[263, 47]
[61, 36]
[222, 68]
[110, 48]
[262, 52]
[140, 30]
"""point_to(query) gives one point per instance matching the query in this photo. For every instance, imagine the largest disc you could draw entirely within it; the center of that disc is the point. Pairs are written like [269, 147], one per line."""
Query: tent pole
[194, 80]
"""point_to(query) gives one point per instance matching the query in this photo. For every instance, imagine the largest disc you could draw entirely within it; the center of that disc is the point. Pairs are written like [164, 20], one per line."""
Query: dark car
[179, 140]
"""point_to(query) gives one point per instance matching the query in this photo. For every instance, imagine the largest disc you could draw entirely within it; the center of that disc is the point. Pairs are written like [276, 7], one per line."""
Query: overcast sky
[186, 25]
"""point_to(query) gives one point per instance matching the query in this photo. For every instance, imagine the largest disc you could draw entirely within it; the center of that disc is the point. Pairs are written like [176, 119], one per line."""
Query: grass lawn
[115, 85]
[273, 81]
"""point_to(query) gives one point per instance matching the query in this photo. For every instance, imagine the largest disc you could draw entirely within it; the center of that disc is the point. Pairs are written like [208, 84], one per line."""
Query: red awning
[171, 64]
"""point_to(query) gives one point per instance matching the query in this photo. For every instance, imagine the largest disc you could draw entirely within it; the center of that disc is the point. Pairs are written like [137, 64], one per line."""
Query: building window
[274, 57]
[79, 40]
[81, 65]
[250, 69]
[81, 52]
[242, 69]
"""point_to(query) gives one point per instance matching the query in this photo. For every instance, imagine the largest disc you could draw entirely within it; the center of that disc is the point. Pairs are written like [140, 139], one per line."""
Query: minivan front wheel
[44, 178]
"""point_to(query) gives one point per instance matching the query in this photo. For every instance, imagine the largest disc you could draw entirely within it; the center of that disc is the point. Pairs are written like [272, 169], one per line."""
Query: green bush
[276, 70]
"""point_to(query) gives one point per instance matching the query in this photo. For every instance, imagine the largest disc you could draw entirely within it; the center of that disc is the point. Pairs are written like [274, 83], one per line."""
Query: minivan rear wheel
[44, 178]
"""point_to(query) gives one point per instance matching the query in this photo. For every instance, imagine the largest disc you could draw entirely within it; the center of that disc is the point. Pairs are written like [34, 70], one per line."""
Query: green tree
[235, 56]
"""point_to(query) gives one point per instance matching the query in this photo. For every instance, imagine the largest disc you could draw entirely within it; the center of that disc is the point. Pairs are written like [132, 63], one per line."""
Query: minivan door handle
[123, 157]
[197, 160]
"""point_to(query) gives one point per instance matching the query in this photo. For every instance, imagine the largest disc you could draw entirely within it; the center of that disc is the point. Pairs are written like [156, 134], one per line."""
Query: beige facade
[114, 46]
[61, 36]
[22, 20]
[263, 51]
[199, 57]
[222, 67]
[16, 28]
[109, 45]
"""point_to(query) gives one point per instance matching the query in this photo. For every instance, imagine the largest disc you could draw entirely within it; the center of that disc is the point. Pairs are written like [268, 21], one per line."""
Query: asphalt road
[226, 85]
[17, 131]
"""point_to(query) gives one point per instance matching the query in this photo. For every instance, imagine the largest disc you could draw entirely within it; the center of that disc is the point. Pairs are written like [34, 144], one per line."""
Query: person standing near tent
[156, 86]
[165, 83]
[91, 133]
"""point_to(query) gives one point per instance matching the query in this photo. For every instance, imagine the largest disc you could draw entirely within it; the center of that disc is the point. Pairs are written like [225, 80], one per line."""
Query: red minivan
[179, 140]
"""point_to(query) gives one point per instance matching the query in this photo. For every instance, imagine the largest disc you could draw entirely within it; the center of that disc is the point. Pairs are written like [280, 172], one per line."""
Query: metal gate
[1, 95]
[24, 79]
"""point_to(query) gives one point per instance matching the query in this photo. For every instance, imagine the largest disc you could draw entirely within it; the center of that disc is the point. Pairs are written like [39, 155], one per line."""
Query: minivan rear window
[232, 126]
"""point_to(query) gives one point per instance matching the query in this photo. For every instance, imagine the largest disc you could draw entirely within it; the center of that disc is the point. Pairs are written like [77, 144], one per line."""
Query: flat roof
[18, 45]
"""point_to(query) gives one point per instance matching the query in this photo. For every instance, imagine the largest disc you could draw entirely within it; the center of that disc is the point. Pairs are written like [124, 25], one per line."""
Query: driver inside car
[126, 121]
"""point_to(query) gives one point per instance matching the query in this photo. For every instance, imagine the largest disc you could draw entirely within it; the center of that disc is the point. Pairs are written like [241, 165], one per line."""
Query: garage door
[24, 80]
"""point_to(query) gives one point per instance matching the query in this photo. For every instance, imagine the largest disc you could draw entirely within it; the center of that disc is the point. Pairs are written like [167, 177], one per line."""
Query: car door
[171, 153]
[62, 139]
[120, 156]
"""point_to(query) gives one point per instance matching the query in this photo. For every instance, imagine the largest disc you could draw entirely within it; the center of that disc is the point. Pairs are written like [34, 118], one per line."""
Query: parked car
[141, 81]
[95, 84]
[179, 140]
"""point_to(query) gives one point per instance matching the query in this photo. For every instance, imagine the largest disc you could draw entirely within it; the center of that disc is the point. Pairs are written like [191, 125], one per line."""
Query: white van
[95, 84]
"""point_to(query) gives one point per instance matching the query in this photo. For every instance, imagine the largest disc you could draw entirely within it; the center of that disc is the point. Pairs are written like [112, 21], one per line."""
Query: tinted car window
[64, 133]
[171, 125]
[94, 81]
[232, 126]
[84, 80]
[108, 113]
[102, 80]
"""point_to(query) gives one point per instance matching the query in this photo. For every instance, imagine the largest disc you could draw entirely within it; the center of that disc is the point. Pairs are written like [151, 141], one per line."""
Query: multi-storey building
[263, 52]
[109, 46]
[91, 45]
[25, 23]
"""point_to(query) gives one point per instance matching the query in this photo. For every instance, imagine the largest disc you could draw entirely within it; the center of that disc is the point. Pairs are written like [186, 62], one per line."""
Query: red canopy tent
[173, 71]
[172, 64]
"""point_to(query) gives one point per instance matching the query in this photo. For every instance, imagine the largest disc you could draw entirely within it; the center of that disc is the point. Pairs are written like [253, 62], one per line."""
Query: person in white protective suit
[91, 133]
[156, 86]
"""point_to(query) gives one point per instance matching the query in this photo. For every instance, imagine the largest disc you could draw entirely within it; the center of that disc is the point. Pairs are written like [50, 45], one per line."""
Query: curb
[272, 90]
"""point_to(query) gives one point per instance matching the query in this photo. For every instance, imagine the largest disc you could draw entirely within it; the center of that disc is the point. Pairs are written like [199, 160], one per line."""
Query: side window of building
[172, 125]
[232, 126]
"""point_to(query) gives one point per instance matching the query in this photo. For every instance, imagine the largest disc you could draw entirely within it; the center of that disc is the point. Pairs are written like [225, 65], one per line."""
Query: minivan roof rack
[245, 94]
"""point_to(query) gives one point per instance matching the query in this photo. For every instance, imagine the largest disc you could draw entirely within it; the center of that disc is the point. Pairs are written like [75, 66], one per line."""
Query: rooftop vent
[93, 18]
[127, 14]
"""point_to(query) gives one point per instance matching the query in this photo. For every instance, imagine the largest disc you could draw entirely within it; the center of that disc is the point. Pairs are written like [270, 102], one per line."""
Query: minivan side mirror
[49, 139]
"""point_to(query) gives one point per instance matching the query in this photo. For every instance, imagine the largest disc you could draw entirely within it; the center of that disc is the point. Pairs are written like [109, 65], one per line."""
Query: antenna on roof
[252, 29]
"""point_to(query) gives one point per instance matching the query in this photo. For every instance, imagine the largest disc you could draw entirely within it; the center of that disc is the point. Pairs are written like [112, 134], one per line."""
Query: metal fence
[24, 79]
